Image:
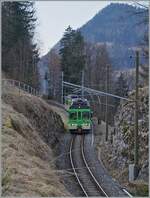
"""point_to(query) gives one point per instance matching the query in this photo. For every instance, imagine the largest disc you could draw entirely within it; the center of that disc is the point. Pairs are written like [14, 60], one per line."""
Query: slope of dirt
[30, 134]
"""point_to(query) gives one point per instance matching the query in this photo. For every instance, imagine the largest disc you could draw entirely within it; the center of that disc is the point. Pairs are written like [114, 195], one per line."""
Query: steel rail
[86, 166]
[127, 192]
[73, 167]
[89, 170]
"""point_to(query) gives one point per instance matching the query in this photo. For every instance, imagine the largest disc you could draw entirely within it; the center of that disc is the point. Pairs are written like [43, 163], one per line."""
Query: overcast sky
[55, 16]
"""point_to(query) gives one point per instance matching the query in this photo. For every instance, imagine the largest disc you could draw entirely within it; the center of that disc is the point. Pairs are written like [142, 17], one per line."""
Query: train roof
[72, 96]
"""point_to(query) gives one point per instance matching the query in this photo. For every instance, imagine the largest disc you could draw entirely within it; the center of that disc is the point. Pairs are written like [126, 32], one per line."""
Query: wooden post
[62, 87]
[82, 90]
[28, 89]
[99, 118]
[136, 138]
[107, 88]
[19, 87]
[24, 87]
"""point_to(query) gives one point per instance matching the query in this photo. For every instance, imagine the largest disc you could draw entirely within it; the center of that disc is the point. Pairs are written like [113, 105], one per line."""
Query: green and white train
[80, 115]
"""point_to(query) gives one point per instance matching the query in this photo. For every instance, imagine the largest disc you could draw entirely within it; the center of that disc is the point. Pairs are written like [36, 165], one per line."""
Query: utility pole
[62, 86]
[136, 138]
[82, 84]
[107, 88]
[48, 84]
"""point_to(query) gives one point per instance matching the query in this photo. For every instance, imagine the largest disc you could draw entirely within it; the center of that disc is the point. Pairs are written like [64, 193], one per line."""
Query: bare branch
[144, 6]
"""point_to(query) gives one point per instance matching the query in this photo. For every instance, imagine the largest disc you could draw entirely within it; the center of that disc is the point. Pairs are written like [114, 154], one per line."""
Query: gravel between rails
[89, 185]
[111, 187]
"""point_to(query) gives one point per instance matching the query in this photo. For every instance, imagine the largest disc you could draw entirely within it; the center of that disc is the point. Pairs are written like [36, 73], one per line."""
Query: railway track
[82, 171]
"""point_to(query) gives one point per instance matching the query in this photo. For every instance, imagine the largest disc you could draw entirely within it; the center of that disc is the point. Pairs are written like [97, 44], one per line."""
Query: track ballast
[83, 172]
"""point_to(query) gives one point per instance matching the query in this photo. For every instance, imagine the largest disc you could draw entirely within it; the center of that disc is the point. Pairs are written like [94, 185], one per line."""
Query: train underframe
[80, 131]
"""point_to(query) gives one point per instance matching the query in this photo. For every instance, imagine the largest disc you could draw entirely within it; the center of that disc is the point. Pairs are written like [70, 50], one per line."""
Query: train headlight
[73, 124]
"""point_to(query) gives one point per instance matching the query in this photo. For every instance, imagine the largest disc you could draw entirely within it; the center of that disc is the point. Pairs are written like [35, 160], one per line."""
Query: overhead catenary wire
[96, 91]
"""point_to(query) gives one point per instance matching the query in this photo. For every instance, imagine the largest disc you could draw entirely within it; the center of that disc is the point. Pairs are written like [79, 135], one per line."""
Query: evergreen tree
[19, 53]
[72, 55]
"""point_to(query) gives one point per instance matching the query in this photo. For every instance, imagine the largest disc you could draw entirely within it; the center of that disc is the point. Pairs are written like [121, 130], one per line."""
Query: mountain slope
[121, 28]
[117, 23]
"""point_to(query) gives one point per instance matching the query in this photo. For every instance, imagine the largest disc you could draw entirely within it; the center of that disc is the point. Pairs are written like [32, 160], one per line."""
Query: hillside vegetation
[110, 37]
[121, 28]
[118, 153]
[30, 133]
[20, 52]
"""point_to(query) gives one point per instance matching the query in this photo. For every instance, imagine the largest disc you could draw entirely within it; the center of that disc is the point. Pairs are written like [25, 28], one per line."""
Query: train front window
[73, 115]
[85, 115]
[79, 115]
[74, 97]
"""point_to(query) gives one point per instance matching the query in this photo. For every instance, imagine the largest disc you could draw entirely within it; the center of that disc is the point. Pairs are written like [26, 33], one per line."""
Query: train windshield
[73, 115]
[85, 115]
[74, 97]
[79, 115]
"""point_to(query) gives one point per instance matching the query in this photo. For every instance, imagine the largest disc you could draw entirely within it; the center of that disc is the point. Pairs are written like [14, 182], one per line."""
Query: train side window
[73, 115]
[85, 115]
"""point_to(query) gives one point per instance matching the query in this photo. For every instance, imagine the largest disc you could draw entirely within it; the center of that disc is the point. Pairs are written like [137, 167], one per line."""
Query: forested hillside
[116, 23]
[121, 27]
[118, 27]
[107, 42]
[19, 53]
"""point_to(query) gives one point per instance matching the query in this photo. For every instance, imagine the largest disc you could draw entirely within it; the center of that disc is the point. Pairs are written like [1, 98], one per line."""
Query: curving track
[83, 172]
[90, 173]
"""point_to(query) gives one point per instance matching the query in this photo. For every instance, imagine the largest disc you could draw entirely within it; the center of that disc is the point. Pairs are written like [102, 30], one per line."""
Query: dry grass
[27, 159]
[139, 188]
[62, 113]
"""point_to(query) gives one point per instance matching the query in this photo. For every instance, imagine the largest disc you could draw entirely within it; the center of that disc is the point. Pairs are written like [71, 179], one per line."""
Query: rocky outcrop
[118, 152]
[124, 125]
